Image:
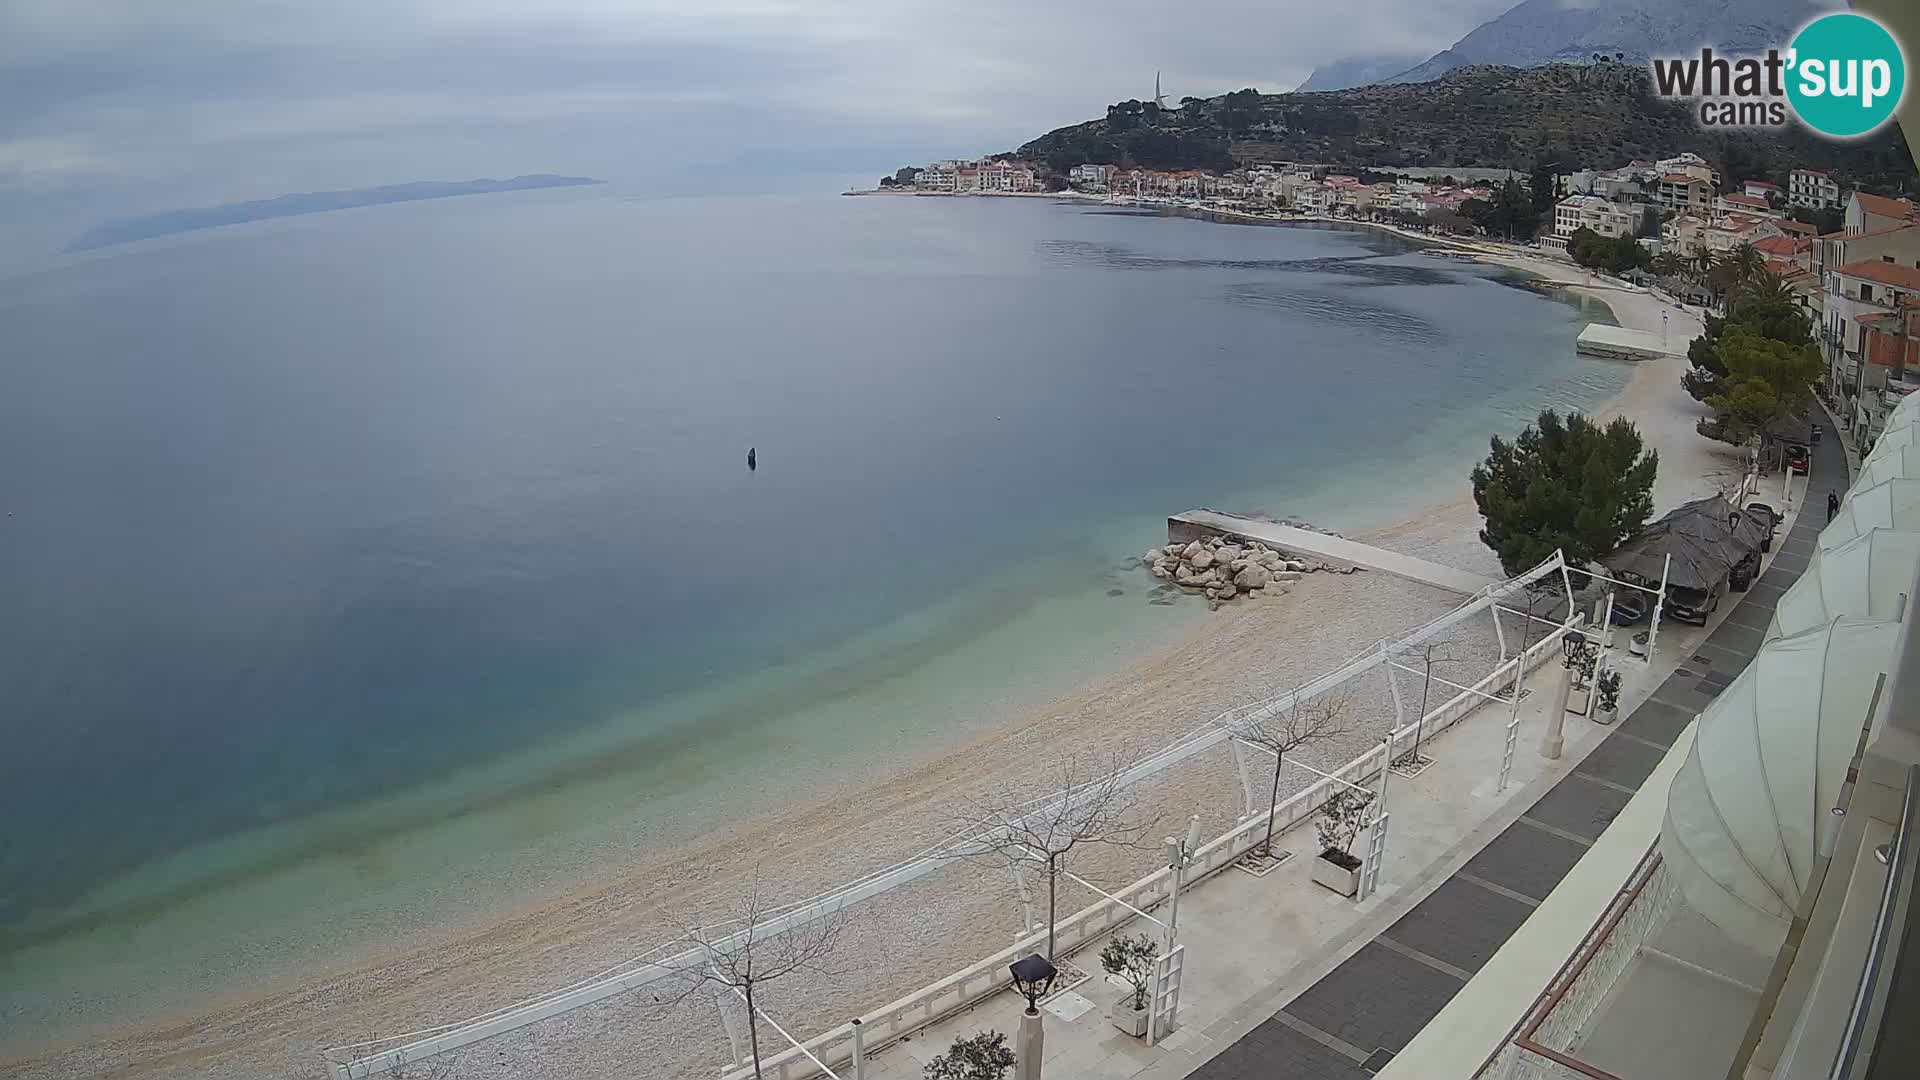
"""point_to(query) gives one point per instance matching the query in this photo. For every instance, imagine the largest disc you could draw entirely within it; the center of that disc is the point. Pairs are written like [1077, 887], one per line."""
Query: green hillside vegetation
[1566, 115]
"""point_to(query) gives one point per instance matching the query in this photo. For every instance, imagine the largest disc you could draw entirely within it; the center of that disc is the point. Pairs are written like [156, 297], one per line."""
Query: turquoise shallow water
[364, 569]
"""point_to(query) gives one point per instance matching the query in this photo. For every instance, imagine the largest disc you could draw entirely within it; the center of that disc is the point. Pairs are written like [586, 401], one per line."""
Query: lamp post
[1555, 741]
[1032, 977]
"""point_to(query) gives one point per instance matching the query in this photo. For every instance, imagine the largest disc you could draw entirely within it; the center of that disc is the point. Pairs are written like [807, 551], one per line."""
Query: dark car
[1693, 605]
[1799, 459]
[1740, 578]
[1767, 516]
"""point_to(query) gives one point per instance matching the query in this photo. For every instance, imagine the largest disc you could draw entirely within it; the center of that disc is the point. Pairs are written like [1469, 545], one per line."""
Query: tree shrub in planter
[1132, 959]
[983, 1055]
[1341, 818]
[1608, 686]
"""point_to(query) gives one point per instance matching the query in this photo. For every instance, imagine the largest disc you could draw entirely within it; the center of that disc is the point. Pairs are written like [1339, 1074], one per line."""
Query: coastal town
[1851, 257]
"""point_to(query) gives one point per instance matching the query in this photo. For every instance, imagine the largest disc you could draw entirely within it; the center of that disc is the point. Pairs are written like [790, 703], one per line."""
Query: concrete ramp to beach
[1319, 547]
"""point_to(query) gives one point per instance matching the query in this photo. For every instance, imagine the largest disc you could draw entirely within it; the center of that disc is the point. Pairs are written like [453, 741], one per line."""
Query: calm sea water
[346, 557]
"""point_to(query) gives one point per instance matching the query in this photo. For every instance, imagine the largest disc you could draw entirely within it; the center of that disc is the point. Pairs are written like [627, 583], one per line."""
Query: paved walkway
[1349, 1024]
[1320, 547]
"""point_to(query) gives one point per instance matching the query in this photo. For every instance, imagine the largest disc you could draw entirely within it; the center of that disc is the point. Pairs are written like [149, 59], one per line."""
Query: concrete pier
[1321, 548]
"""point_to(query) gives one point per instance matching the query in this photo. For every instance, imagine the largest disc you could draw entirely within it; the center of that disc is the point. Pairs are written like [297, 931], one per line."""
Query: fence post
[859, 1052]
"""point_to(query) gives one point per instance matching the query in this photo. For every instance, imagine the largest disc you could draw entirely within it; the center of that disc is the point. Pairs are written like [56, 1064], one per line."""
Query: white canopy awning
[1895, 464]
[1746, 812]
[1894, 439]
[1862, 576]
[1890, 504]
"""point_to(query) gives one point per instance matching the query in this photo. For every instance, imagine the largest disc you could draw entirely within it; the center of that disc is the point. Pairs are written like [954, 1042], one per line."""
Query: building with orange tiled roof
[1866, 213]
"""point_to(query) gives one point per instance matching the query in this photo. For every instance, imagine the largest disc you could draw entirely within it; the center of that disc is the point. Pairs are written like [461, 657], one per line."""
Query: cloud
[240, 97]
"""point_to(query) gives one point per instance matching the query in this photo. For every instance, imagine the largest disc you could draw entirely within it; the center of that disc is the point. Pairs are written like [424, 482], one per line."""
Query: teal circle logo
[1846, 75]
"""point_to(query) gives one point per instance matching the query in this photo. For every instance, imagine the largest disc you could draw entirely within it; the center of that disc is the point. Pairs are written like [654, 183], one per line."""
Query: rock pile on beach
[1223, 569]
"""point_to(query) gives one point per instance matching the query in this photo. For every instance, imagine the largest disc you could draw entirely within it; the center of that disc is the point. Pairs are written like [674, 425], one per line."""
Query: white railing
[964, 988]
[361, 1060]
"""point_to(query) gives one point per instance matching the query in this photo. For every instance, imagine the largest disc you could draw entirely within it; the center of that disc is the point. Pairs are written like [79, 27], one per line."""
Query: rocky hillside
[1582, 116]
[1356, 71]
[1549, 31]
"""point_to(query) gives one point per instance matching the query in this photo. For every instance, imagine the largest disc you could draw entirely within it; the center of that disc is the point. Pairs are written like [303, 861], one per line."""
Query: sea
[371, 570]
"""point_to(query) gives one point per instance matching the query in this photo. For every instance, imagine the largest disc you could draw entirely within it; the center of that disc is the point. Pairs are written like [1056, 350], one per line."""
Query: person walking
[1833, 506]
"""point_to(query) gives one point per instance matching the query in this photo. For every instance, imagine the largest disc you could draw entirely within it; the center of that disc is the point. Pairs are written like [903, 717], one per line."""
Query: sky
[127, 106]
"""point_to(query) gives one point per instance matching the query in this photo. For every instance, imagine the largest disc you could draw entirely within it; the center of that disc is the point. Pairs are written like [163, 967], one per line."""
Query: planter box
[1127, 1018]
[1338, 878]
[1604, 716]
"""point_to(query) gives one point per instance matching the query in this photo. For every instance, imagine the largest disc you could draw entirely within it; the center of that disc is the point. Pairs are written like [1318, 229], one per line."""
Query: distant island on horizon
[148, 226]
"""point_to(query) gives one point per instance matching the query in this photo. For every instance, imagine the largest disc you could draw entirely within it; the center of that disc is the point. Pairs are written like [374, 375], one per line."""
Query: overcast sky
[128, 105]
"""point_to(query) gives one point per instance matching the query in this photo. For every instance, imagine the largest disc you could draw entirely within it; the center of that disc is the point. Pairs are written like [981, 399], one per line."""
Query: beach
[873, 812]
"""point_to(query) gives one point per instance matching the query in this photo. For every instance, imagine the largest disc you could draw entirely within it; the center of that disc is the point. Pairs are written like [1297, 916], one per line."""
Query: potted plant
[1341, 818]
[1132, 959]
[984, 1055]
[1609, 704]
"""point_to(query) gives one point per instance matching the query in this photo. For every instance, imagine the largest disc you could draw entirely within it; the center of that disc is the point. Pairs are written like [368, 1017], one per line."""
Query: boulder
[1152, 556]
[1160, 570]
[1192, 549]
[1286, 575]
[1229, 552]
[1228, 591]
[1206, 577]
[1297, 567]
[1269, 558]
[1251, 577]
[1184, 575]
[1238, 565]
[1202, 559]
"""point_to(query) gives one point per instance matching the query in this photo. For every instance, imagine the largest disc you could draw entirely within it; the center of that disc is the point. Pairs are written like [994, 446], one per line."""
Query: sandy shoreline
[868, 820]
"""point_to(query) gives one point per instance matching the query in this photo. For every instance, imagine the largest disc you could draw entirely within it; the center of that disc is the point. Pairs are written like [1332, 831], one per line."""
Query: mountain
[148, 226]
[1357, 71]
[1551, 31]
[1575, 115]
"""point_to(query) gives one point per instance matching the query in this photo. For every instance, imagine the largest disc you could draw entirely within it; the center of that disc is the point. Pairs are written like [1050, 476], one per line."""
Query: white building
[1577, 212]
[1092, 177]
[1813, 188]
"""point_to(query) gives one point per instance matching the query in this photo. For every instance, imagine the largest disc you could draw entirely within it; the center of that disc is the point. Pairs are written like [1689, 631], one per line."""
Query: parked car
[1694, 605]
[1740, 578]
[1799, 459]
[1767, 516]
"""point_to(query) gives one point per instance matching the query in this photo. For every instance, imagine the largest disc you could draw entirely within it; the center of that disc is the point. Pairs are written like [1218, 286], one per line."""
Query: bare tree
[1280, 732]
[744, 954]
[1091, 806]
[1431, 653]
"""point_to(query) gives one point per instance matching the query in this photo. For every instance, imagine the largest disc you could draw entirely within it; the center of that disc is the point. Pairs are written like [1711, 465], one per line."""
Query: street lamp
[1573, 645]
[1032, 977]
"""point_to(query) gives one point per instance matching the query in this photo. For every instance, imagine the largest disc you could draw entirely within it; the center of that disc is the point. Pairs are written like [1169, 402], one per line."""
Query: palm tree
[1667, 264]
[1746, 263]
[1703, 259]
[1768, 287]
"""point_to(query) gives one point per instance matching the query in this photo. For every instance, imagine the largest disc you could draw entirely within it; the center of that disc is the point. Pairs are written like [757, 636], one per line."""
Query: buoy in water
[752, 464]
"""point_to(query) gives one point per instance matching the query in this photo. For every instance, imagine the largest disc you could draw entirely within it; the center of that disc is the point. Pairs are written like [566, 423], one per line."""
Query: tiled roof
[1881, 206]
[1754, 201]
[1777, 245]
[1884, 273]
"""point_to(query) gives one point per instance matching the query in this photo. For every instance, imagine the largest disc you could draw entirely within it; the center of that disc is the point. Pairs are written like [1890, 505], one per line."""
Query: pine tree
[1571, 486]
